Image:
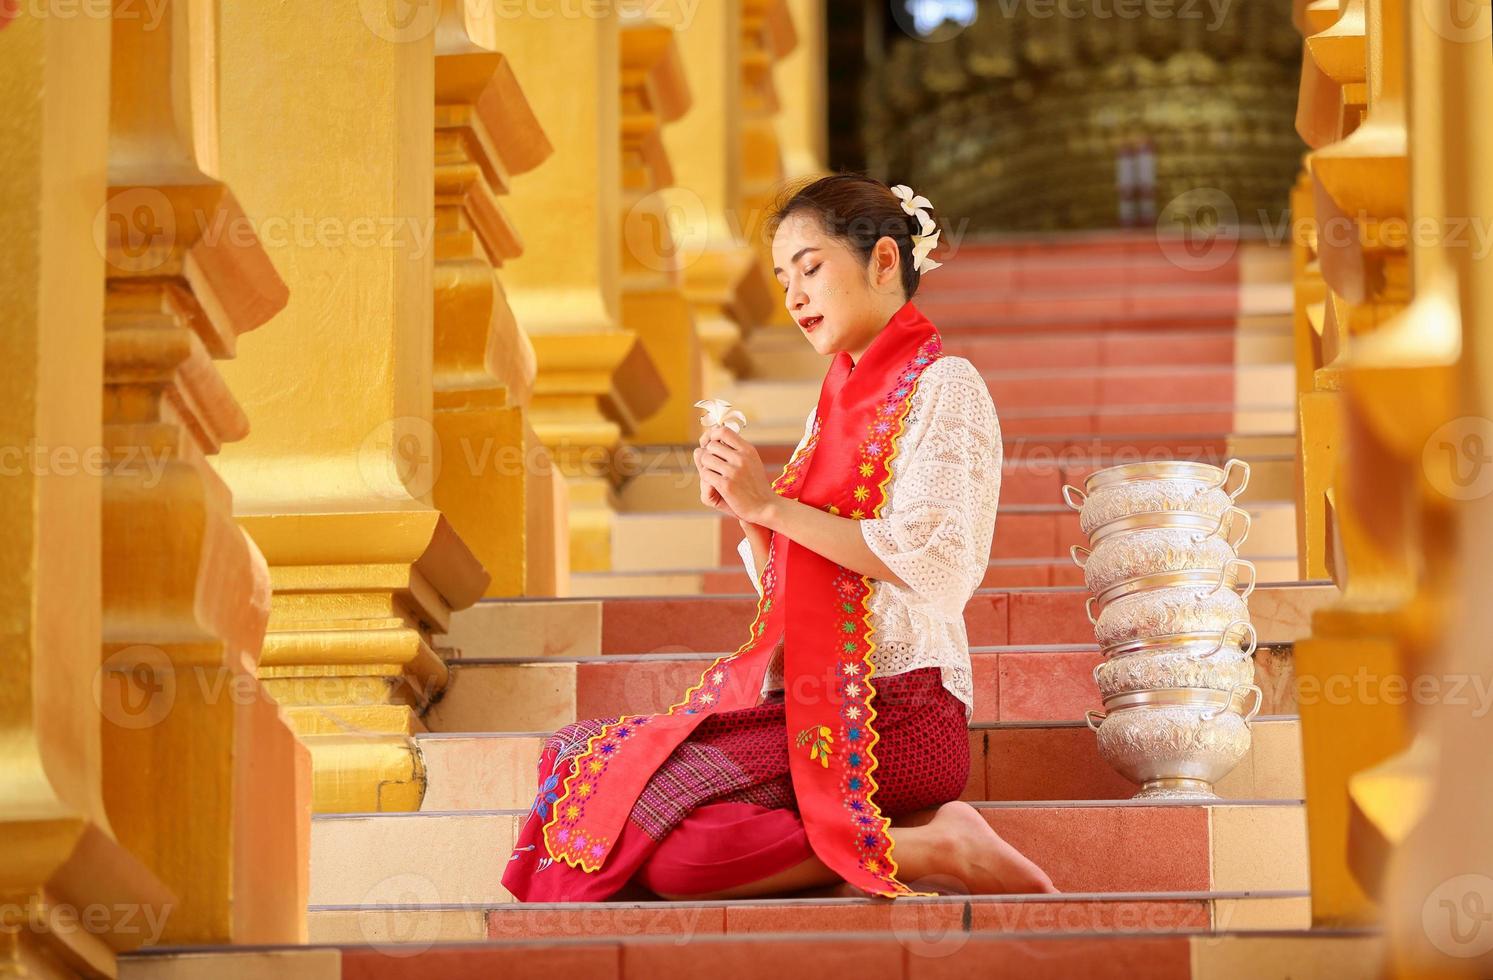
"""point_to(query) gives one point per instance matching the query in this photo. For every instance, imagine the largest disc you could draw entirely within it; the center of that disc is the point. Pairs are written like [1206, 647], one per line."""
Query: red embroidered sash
[844, 468]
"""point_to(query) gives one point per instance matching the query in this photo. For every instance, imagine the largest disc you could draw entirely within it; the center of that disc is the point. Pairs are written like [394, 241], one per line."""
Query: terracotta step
[711, 624]
[662, 478]
[1009, 761]
[925, 952]
[784, 354]
[936, 922]
[1066, 390]
[732, 579]
[1101, 846]
[1011, 683]
[993, 617]
[702, 540]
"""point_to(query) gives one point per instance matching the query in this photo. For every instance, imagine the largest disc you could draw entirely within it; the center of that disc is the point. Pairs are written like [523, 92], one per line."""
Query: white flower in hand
[719, 412]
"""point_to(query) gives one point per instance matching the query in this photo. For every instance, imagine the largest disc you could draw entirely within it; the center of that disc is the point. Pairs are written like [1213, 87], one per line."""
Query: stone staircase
[1093, 347]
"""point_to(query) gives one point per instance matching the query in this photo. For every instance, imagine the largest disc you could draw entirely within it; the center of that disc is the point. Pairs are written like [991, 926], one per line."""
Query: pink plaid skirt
[721, 812]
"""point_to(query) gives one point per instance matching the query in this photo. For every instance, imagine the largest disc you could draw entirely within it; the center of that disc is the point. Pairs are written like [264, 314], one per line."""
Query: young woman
[831, 748]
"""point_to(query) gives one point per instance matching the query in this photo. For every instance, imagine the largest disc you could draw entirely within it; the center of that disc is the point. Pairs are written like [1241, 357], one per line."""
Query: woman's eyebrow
[796, 256]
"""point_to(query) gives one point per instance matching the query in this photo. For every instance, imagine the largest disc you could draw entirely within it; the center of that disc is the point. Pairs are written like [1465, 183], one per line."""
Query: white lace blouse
[934, 530]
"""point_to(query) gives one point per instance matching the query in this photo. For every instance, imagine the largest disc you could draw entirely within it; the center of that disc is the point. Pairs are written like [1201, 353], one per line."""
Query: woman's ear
[885, 264]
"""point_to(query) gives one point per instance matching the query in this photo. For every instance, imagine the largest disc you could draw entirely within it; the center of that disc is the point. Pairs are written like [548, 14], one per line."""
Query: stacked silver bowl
[1170, 613]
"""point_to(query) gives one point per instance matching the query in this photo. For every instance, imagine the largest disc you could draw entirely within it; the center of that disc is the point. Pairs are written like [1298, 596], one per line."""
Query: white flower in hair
[719, 412]
[927, 241]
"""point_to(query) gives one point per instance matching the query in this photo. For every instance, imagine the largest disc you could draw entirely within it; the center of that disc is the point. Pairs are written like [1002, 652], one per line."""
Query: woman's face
[838, 302]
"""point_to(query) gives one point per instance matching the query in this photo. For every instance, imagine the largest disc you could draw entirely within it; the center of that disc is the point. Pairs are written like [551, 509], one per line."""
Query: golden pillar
[59, 859]
[595, 383]
[334, 480]
[653, 94]
[203, 778]
[1385, 385]
[767, 37]
[1433, 800]
[496, 483]
[729, 288]
[803, 124]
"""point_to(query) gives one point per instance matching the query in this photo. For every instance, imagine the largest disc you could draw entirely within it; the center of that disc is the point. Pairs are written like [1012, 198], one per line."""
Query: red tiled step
[1011, 683]
[1001, 574]
[871, 956]
[1009, 761]
[1063, 450]
[1029, 531]
[985, 913]
[1009, 352]
[922, 946]
[714, 623]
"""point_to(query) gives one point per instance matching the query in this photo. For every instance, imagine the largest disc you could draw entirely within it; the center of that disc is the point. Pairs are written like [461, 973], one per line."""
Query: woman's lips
[810, 323]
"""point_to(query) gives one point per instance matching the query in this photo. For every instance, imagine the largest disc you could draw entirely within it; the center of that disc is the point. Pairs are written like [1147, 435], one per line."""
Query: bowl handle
[1088, 717]
[1259, 701]
[1088, 608]
[1223, 576]
[1228, 470]
[1073, 551]
[1223, 638]
[1096, 671]
[1068, 492]
[1227, 523]
[1251, 635]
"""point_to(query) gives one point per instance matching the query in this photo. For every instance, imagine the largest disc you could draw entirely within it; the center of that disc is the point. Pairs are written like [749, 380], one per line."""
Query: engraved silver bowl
[1135, 552]
[1155, 488]
[1172, 602]
[1176, 742]
[1221, 661]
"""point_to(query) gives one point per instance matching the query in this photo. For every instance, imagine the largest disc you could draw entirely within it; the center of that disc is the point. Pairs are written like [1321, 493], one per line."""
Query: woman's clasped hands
[732, 478]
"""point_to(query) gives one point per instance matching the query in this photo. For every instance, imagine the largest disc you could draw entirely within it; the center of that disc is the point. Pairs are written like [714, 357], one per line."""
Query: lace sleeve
[744, 546]
[935, 529]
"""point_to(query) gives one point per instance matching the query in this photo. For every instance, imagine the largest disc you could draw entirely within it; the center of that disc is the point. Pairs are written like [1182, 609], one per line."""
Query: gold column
[58, 856]
[654, 93]
[1385, 386]
[767, 35]
[334, 481]
[596, 383]
[725, 281]
[497, 482]
[185, 592]
[803, 126]
[1441, 875]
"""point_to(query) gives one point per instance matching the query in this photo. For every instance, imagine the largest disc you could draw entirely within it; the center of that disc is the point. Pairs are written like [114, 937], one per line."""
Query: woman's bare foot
[980, 858]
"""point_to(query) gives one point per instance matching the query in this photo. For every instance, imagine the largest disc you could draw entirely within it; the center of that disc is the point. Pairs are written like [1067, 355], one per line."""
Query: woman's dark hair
[856, 210]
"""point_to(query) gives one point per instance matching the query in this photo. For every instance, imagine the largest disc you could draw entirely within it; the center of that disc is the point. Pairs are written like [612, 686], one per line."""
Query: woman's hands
[732, 478]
